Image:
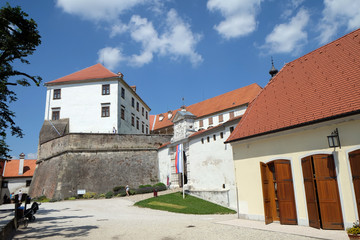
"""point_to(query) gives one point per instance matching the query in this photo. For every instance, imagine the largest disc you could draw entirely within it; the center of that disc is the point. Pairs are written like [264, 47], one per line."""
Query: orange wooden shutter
[328, 192]
[266, 192]
[355, 171]
[285, 192]
[310, 192]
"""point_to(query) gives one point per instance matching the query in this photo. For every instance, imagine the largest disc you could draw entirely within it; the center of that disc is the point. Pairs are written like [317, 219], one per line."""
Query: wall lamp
[334, 140]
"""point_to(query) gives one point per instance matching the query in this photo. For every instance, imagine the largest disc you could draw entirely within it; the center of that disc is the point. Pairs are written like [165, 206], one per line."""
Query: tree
[19, 38]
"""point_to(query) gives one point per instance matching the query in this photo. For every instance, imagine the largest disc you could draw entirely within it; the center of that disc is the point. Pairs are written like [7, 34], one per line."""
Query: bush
[159, 184]
[109, 194]
[89, 195]
[144, 190]
[72, 198]
[41, 199]
[145, 186]
[160, 187]
[118, 189]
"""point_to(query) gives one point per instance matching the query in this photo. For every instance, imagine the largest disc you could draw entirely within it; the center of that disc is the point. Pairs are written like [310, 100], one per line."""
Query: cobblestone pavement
[117, 218]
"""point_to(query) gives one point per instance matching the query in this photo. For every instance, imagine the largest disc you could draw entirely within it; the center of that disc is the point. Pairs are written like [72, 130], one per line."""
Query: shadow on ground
[47, 226]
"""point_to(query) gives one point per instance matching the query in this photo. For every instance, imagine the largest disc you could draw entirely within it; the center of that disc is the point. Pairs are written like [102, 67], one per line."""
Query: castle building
[296, 150]
[96, 100]
[201, 130]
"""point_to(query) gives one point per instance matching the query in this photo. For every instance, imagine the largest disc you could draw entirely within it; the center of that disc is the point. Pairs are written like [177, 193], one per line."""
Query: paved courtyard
[117, 218]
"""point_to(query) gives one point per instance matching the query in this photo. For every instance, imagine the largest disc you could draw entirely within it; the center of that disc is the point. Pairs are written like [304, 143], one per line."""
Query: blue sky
[172, 49]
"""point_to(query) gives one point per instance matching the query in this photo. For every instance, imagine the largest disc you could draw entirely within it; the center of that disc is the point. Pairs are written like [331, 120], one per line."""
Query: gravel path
[117, 218]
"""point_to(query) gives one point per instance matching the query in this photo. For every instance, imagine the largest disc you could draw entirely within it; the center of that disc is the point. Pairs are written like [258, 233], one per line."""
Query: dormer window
[161, 117]
[170, 114]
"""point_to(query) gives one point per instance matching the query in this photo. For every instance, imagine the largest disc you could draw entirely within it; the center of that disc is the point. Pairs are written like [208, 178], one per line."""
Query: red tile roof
[321, 85]
[219, 103]
[96, 71]
[12, 168]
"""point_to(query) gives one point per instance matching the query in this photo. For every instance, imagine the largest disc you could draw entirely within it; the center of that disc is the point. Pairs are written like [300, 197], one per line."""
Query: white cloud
[288, 37]
[337, 14]
[117, 29]
[240, 16]
[290, 7]
[110, 57]
[98, 10]
[176, 41]
[32, 156]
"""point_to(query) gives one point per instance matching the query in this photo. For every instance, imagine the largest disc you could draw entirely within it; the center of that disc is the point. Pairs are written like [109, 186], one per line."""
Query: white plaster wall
[211, 166]
[82, 104]
[226, 117]
[164, 159]
[16, 184]
[294, 145]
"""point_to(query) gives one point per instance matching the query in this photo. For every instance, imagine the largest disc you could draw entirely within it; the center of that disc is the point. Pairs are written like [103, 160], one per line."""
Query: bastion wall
[95, 163]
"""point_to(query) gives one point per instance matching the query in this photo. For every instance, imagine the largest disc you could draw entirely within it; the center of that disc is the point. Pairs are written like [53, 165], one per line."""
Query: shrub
[160, 187]
[145, 186]
[159, 184]
[41, 199]
[89, 195]
[109, 194]
[132, 192]
[144, 190]
[72, 198]
[118, 189]
[355, 229]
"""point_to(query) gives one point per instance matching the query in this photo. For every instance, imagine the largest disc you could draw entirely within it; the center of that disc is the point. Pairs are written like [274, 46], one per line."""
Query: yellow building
[286, 167]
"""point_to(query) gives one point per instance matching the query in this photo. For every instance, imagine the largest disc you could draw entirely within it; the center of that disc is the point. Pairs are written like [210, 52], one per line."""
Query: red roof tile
[96, 71]
[323, 84]
[12, 168]
[219, 103]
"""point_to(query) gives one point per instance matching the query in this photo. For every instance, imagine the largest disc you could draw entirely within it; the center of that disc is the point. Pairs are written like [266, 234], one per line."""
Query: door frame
[351, 180]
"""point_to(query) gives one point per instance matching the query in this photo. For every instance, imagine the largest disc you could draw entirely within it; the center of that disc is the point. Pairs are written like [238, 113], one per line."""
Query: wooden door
[266, 186]
[310, 192]
[328, 192]
[285, 192]
[355, 172]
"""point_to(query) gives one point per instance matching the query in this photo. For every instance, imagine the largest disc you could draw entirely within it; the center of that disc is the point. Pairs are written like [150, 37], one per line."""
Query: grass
[174, 202]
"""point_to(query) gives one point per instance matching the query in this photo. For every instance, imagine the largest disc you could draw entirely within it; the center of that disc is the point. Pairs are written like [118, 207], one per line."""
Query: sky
[171, 49]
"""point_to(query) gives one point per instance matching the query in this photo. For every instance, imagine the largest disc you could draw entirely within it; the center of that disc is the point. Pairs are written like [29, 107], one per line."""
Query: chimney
[133, 88]
[21, 164]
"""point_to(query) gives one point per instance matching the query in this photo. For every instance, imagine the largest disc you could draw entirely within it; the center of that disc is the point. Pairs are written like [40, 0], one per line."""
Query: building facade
[96, 100]
[287, 166]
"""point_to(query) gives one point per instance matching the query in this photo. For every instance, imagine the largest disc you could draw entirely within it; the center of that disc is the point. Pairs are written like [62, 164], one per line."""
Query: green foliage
[118, 189]
[19, 38]
[109, 194]
[174, 202]
[131, 192]
[144, 190]
[355, 229]
[72, 198]
[160, 184]
[89, 195]
[145, 186]
[41, 199]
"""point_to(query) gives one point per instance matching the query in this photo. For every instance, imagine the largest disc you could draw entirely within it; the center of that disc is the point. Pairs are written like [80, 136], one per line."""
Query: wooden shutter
[328, 192]
[310, 192]
[266, 184]
[285, 192]
[355, 171]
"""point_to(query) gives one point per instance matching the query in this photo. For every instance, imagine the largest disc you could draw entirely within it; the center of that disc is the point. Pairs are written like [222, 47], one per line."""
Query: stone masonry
[95, 163]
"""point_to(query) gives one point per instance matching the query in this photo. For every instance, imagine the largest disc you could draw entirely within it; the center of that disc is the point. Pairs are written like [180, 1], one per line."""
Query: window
[210, 120]
[214, 136]
[142, 111]
[201, 123]
[208, 139]
[132, 102]
[146, 114]
[137, 106]
[123, 93]
[231, 114]
[122, 112]
[221, 135]
[231, 129]
[221, 119]
[137, 123]
[57, 94]
[105, 89]
[132, 120]
[55, 114]
[28, 182]
[105, 111]
[142, 127]
[5, 184]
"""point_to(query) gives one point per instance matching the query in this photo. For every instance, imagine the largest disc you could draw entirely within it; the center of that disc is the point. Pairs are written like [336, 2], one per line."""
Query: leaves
[19, 38]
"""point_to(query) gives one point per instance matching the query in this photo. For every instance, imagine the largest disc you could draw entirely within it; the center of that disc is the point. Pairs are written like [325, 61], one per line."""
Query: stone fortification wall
[95, 163]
